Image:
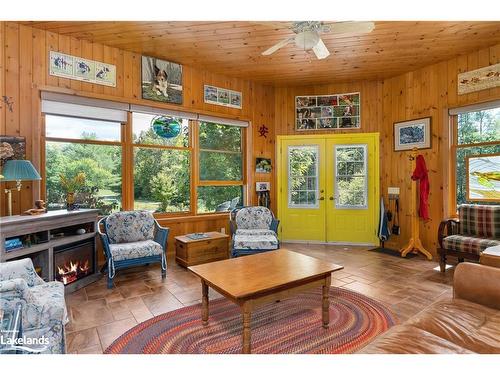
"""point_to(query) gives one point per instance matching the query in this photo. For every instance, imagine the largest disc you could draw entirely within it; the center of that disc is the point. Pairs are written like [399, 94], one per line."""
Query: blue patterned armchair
[44, 308]
[132, 238]
[254, 230]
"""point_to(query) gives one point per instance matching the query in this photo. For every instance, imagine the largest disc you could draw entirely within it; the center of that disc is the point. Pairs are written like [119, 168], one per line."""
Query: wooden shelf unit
[47, 224]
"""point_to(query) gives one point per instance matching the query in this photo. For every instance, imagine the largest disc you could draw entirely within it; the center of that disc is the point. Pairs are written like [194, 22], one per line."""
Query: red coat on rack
[421, 173]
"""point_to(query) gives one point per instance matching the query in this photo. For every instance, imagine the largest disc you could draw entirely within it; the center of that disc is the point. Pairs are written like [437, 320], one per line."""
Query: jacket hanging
[421, 173]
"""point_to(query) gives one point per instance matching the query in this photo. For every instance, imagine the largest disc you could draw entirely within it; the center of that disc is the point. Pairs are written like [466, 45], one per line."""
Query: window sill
[166, 218]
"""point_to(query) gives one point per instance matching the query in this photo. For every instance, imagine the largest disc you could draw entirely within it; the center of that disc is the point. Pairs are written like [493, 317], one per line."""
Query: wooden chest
[189, 252]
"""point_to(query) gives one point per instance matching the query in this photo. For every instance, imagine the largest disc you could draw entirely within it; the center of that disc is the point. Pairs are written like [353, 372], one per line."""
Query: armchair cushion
[133, 250]
[130, 226]
[255, 232]
[20, 269]
[256, 242]
[257, 217]
[479, 220]
[468, 244]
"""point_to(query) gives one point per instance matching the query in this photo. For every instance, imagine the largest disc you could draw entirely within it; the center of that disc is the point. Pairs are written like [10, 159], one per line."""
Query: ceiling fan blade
[277, 46]
[351, 27]
[320, 50]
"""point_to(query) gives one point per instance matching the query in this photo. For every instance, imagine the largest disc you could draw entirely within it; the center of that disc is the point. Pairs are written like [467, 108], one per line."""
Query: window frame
[127, 148]
[454, 146]
[43, 151]
[198, 182]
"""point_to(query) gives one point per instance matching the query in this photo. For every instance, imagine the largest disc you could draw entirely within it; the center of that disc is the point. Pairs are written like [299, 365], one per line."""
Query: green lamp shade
[19, 170]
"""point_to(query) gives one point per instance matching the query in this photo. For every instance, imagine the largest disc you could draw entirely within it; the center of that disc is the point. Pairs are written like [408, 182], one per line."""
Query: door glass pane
[351, 180]
[303, 176]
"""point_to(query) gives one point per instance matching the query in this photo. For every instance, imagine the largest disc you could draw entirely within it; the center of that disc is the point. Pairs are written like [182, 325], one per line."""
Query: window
[350, 176]
[157, 149]
[221, 176]
[162, 163]
[93, 147]
[303, 177]
[477, 133]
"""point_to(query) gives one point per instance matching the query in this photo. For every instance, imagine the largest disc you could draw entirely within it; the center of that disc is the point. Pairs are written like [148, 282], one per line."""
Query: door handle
[321, 198]
[331, 198]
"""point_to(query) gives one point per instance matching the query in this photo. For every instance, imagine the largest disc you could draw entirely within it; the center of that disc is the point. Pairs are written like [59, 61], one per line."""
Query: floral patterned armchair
[254, 230]
[132, 238]
[44, 308]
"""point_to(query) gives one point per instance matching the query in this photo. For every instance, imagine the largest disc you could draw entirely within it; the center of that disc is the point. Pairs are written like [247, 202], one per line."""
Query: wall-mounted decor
[483, 178]
[262, 165]
[161, 80]
[412, 134]
[166, 127]
[263, 130]
[321, 112]
[12, 148]
[80, 69]
[224, 97]
[479, 79]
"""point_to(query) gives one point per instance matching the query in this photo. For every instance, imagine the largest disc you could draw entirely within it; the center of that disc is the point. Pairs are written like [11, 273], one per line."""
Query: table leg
[326, 302]
[247, 316]
[204, 303]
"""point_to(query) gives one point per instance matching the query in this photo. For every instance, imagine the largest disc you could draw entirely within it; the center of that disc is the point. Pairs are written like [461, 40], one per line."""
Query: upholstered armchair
[477, 228]
[43, 305]
[132, 238]
[254, 230]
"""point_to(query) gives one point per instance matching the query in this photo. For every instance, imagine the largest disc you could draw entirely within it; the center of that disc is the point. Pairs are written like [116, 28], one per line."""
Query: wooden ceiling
[234, 48]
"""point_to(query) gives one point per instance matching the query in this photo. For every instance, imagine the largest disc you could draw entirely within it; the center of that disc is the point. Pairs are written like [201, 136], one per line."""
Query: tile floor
[99, 315]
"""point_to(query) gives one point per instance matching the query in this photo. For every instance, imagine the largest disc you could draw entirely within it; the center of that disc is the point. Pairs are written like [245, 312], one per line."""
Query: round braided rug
[293, 325]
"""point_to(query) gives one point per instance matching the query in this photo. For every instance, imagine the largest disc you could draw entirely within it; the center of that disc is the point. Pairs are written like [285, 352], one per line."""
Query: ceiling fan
[307, 35]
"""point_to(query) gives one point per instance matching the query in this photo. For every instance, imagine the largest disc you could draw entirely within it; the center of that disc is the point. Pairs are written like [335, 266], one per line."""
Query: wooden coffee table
[261, 278]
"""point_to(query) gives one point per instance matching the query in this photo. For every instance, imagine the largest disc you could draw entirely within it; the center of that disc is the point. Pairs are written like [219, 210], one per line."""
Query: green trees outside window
[161, 168]
[474, 129]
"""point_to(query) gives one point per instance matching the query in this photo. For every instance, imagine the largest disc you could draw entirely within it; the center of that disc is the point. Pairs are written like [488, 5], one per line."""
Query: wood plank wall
[24, 71]
[429, 91]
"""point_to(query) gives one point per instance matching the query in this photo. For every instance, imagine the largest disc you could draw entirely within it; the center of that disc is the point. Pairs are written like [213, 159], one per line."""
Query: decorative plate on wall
[166, 127]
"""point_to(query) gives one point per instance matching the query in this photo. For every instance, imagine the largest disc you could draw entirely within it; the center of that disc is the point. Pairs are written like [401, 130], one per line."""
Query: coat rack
[414, 243]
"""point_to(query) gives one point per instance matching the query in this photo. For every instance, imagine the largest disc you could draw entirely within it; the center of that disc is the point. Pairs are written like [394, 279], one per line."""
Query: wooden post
[247, 337]
[326, 302]
[204, 303]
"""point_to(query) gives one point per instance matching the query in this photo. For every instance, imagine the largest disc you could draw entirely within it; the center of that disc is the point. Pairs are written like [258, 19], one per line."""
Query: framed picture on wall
[412, 134]
[323, 112]
[12, 148]
[161, 80]
[483, 173]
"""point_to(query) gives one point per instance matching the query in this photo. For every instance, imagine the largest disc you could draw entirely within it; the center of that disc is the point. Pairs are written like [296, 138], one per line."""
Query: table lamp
[17, 170]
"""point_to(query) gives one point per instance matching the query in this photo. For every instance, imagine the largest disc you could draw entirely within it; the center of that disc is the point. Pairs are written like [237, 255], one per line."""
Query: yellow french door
[329, 188]
[352, 183]
[302, 194]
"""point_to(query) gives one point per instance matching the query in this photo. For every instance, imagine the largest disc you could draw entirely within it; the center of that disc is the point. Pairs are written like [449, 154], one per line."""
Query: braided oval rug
[292, 325]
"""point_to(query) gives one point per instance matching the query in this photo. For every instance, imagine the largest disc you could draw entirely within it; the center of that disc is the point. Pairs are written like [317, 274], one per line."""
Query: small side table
[190, 252]
[490, 257]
